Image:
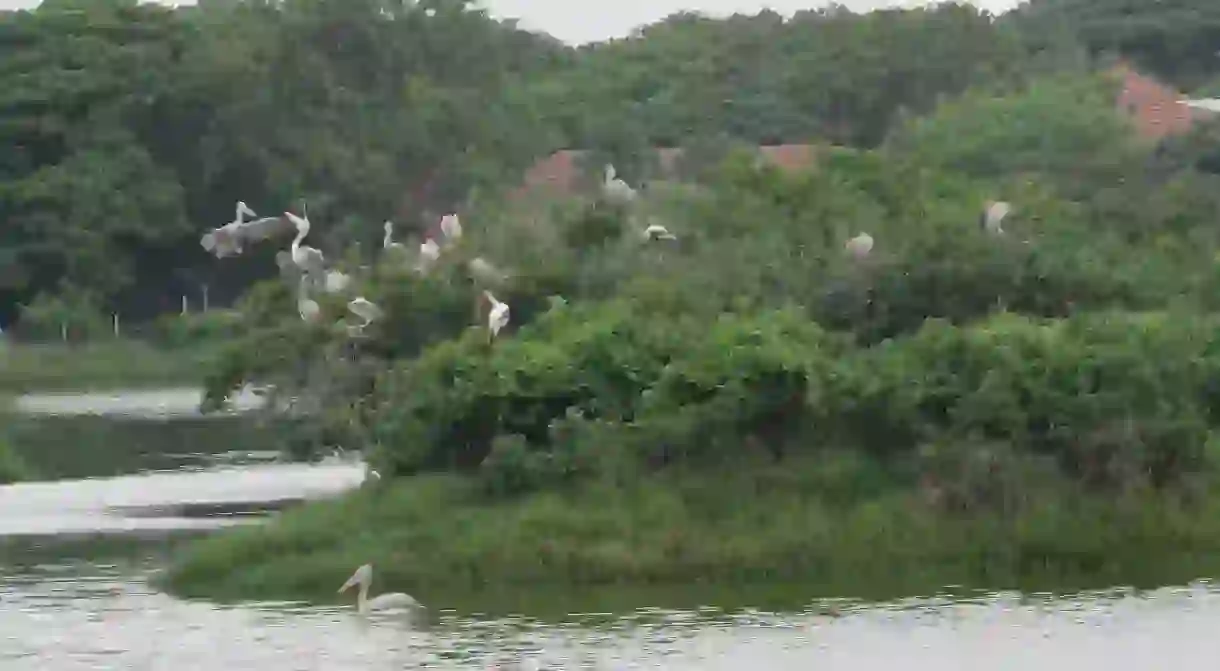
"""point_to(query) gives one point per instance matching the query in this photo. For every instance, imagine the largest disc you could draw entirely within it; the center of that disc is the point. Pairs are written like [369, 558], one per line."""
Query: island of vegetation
[759, 401]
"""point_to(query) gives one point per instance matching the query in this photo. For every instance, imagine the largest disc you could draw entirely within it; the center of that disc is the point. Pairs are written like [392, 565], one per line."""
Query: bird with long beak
[363, 577]
[497, 315]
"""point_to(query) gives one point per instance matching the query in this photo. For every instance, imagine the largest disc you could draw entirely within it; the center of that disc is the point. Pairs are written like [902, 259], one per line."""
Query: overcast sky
[587, 20]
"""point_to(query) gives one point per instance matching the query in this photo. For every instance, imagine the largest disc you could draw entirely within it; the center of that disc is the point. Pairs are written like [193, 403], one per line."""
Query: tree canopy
[133, 128]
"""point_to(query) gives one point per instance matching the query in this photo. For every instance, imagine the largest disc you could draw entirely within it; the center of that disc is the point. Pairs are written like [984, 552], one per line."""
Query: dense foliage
[370, 110]
[1077, 343]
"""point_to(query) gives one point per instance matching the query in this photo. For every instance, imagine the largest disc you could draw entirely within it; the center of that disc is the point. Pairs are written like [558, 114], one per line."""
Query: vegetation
[746, 402]
[109, 364]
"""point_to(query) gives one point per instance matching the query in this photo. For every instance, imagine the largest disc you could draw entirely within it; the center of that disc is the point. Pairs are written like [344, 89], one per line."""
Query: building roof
[1157, 109]
[561, 171]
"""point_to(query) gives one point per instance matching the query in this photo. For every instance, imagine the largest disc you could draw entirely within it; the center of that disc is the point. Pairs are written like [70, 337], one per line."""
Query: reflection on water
[151, 403]
[162, 500]
[90, 616]
[75, 594]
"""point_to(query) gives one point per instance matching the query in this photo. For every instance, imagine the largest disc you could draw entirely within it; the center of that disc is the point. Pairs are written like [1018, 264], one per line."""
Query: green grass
[106, 365]
[765, 536]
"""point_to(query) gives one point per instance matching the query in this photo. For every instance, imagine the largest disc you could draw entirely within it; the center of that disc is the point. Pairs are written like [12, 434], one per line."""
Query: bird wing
[266, 227]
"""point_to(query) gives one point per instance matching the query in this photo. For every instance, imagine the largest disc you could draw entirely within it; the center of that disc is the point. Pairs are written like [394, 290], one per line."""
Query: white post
[115, 317]
[205, 298]
[63, 331]
[183, 305]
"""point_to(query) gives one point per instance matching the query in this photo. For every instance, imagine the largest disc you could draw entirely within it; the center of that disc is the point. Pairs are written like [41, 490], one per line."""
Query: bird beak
[351, 582]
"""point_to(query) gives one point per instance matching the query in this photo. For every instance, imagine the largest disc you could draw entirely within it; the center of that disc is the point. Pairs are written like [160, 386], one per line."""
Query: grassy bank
[12, 467]
[105, 365]
[780, 534]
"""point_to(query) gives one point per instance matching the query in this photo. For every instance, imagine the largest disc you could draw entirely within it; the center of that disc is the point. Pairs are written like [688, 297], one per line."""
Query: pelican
[308, 307]
[451, 228]
[429, 252]
[993, 215]
[497, 317]
[388, 601]
[243, 211]
[615, 189]
[336, 281]
[364, 309]
[307, 258]
[387, 243]
[288, 269]
[234, 236]
[658, 232]
[860, 246]
[483, 271]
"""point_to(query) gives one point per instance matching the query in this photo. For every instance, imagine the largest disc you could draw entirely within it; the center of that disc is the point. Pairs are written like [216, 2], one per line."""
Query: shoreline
[552, 554]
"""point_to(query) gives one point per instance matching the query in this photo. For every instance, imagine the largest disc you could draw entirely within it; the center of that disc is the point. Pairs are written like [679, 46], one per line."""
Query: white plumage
[389, 601]
[615, 189]
[306, 306]
[860, 246]
[497, 316]
[993, 216]
[364, 309]
[451, 228]
[308, 259]
[658, 232]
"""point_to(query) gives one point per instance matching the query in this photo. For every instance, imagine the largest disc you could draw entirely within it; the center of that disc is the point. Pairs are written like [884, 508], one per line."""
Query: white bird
[993, 215]
[242, 212]
[223, 241]
[308, 259]
[388, 601]
[615, 189]
[497, 317]
[308, 307]
[364, 309]
[387, 242]
[451, 228]
[658, 232]
[232, 238]
[483, 271]
[336, 281]
[429, 252]
[860, 246]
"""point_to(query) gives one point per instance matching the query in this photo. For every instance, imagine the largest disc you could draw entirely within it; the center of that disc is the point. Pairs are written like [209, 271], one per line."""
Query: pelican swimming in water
[389, 601]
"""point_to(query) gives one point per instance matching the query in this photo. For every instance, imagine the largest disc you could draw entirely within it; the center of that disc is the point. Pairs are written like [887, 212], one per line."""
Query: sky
[579, 21]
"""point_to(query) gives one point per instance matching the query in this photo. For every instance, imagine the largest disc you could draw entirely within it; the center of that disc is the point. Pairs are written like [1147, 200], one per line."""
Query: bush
[1117, 400]
[12, 467]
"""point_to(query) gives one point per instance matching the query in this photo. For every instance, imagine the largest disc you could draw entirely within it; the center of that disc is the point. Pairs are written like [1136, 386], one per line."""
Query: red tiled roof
[1156, 109]
[559, 173]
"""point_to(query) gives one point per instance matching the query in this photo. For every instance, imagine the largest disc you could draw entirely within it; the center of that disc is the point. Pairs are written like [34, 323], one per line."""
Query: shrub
[1118, 400]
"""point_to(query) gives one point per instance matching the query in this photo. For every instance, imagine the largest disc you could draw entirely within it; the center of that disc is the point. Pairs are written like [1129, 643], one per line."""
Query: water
[153, 403]
[77, 557]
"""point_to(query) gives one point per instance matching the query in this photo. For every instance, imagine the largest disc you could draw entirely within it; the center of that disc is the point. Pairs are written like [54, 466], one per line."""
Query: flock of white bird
[307, 265]
[310, 264]
[990, 222]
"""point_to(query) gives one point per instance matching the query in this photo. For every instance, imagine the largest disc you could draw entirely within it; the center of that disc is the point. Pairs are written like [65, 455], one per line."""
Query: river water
[76, 557]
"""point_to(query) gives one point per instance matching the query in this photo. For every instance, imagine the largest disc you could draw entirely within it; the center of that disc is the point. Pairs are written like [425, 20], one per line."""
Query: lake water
[76, 557]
